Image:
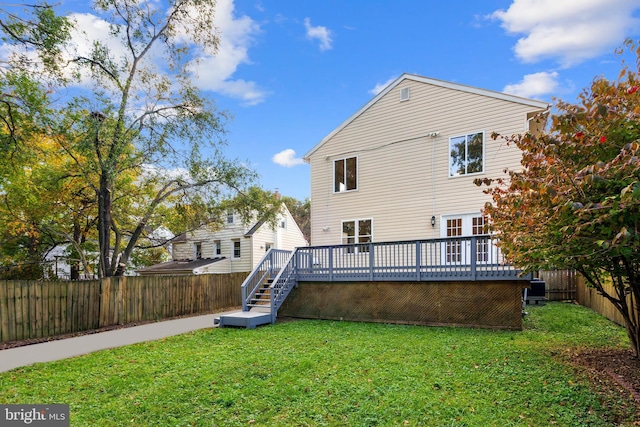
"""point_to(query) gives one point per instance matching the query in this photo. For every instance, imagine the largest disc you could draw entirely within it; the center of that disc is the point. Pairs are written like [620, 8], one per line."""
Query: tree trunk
[104, 226]
[74, 265]
[634, 336]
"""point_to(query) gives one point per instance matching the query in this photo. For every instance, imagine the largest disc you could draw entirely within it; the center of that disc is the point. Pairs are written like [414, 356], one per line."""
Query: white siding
[252, 247]
[397, 186]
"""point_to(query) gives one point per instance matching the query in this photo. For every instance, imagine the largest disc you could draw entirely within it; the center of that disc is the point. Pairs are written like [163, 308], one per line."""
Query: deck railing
[282, 285]
[444, 259]
[272, 262]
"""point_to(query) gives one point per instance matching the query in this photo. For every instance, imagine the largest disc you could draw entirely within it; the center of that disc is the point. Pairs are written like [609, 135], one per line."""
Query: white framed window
[345, 175]
[217, 247]
[235, 245]
[267, 246]
[230, 216]
[197, 250]
[283, 222]
[357, 231]
[466, 154]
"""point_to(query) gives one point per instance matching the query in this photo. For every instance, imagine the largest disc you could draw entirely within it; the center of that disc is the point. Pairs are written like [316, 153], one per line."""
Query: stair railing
[268, 266]
[282, 284]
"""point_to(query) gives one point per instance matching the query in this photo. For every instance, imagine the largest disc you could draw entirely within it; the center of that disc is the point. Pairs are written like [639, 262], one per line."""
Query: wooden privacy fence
[589, 297]
[37, 309]
[560, 284]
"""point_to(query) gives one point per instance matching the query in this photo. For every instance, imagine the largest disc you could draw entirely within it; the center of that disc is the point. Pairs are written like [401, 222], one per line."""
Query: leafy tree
[37, 35]
[576, 201]
[150, 126]
[142, 146]
[43, 204]
[301, 212]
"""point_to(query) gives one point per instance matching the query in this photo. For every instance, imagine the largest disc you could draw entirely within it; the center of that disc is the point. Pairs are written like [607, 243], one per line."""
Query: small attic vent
[404, 94]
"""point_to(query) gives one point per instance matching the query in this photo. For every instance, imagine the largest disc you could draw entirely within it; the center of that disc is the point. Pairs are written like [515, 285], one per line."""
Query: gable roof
[541, 105]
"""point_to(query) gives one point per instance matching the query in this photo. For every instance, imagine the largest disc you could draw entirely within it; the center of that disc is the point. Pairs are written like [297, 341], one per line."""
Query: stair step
[259, 305]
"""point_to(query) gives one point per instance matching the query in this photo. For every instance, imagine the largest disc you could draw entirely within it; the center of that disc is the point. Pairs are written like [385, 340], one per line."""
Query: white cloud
[287, 158]
[322, 34]
[534, 85]
[380, 86]
[569, 30]
[215, 72]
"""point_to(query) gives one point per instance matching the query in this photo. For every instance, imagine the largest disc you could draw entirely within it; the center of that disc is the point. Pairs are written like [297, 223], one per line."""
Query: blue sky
[290, 71]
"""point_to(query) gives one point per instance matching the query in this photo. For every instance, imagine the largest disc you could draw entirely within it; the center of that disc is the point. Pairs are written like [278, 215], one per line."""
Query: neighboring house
[402, 167]
[234, 248]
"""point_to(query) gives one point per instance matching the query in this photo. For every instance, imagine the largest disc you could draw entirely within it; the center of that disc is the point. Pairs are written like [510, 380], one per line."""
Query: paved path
[69, 347]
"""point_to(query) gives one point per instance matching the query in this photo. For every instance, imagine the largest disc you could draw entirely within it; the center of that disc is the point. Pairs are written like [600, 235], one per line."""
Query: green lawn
[308, 373]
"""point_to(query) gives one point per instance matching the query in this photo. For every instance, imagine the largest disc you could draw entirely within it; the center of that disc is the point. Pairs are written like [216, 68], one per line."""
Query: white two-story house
[402, 167]
[237, 247]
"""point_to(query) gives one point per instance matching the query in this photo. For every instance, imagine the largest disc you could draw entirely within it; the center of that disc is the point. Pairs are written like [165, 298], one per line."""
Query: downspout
[433, 182]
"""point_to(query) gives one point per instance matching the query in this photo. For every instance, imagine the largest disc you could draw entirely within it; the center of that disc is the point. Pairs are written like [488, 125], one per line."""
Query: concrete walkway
[12, 358]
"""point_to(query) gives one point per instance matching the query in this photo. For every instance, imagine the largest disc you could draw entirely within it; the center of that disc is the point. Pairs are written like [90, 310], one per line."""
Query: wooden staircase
[262, 297]
[258, 311]
[263, 291]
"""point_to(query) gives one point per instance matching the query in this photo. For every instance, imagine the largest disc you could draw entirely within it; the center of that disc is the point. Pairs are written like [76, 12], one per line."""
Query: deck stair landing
[244, 319]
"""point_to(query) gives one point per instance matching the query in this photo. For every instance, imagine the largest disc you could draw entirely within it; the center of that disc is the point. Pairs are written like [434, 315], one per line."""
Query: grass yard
[315, 373]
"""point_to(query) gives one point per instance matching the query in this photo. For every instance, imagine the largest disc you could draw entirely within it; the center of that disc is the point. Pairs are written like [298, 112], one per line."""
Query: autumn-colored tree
[576, 201]
[139, 138]
[45, 203]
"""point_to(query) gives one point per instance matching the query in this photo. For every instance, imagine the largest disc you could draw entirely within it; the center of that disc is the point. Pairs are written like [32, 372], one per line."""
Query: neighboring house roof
[182, 237]
[253, 229]
[441, 83]
[179, 267]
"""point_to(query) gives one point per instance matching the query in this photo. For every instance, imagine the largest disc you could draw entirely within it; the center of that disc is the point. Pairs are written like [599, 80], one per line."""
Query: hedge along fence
[37, 309]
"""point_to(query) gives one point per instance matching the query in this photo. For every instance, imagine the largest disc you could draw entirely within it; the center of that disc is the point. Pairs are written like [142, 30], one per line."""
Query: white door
[458, 251]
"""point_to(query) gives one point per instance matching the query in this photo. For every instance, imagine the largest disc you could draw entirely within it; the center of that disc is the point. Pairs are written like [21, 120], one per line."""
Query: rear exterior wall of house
[403, 178]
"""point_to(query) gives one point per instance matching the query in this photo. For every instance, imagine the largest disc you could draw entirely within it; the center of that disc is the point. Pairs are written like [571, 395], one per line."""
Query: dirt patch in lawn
[615, 375]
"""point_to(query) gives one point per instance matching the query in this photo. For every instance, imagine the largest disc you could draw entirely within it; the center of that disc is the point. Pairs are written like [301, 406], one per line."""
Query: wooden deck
[470, 259]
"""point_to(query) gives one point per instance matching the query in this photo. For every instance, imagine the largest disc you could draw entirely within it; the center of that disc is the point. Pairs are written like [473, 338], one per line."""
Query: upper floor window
[345, 174]
[466, 154]
[197, 250]
[230, 216]
[217, 247]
